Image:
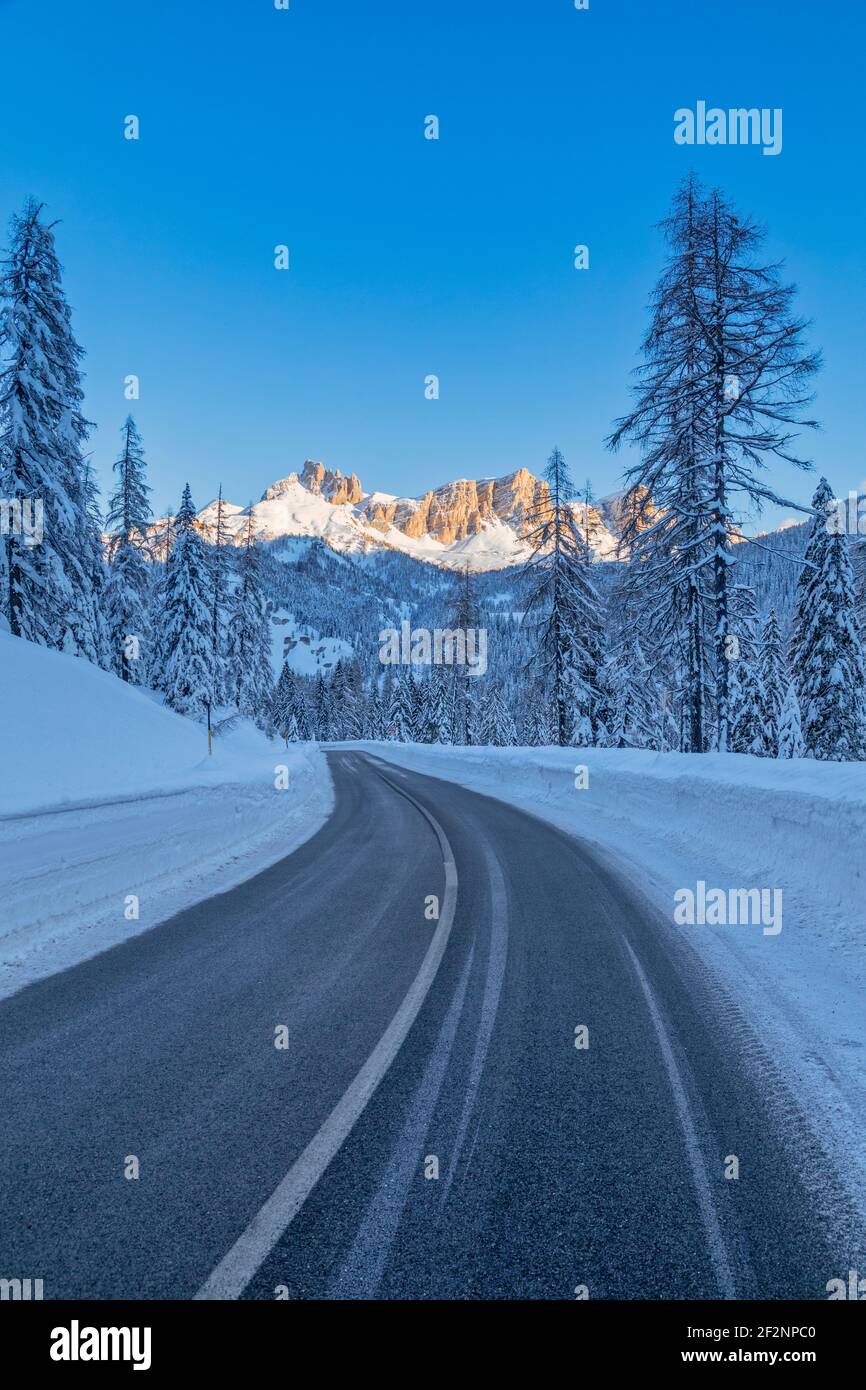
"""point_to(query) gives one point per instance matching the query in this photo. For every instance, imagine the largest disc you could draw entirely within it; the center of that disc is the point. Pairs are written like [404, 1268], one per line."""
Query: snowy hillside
[305, 650]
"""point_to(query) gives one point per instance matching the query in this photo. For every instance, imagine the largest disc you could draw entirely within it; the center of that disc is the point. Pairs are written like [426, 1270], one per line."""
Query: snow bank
[106, 796]
[797, 825]
[75, 734]
[733, 821]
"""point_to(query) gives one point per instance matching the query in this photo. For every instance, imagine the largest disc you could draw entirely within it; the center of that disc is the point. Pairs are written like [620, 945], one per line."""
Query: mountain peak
[334, 486]
[480, 523]
[316, 478]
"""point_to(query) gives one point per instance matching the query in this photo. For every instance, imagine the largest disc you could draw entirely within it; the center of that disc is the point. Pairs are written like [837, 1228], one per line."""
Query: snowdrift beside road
[106, 796]
[732, 818]
[76, 734]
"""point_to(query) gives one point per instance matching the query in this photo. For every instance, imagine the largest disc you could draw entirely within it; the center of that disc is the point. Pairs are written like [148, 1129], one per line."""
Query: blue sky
[411, 256]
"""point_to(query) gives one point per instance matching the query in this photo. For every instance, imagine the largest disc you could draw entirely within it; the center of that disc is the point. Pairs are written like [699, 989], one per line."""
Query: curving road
[430, 1130]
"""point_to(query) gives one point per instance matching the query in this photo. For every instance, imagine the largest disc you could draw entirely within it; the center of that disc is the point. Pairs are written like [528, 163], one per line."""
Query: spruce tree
[96, 640]
[186, 674]
[375, 726]
[463, 618]
[528, 733]
[634, 700]
[438, 707]
[248, 679]
[423, 710]
[774, 682]
[401, 714]
[218, 568]
[299, 721]
[337, 703]
[747, 700]
[355, 716]
[496, 724]
[48, 588]
[830, 667]
[791, 743]
[282, 704]
[563, 608]
[322, 709]
[127, 591]
[289, 710]
[746, 693]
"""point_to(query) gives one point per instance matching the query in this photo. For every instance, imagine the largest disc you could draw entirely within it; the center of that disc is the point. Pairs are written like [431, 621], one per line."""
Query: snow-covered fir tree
[439, 717]
[464, 617]
[338, 697]
[299, 720]
[830, 670]
[747, 701]
[97, 646]
[49, 590]
[745, 688]
[248, 679]
[745, 623]
[376, 715]
[289, 712]
[634, 703]
[217, 556]
[563, 609]
[790, 744]
[354, 714]
[496, 726]
[127, 589]
[185, 615]
[282, 700]
[774, 682]
[401, 712]
[322, 708]
[423, 722]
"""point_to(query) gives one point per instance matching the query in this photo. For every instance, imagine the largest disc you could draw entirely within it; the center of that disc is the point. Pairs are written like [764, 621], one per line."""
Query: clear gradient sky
[411, 256]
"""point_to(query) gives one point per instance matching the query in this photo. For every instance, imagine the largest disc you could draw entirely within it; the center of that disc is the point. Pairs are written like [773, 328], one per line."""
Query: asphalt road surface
[430, 1129]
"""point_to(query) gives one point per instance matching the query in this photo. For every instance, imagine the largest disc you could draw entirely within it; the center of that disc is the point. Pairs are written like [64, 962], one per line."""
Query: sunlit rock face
[459, 509]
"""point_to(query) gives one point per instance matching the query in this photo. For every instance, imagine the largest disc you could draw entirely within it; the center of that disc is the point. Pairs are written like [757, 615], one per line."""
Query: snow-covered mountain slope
[301, 645]
[479, 524]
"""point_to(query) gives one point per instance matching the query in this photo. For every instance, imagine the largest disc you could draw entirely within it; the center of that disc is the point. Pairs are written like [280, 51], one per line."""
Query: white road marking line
[496, 963]
[235, 1270]
[715, 1239]
[362, 1270]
